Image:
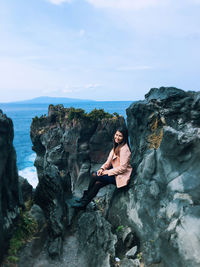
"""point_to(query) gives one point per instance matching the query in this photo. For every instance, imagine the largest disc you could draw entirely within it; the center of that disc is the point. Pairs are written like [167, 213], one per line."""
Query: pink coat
[121, 166]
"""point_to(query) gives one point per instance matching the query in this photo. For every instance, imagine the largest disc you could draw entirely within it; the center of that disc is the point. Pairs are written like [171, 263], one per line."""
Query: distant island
[51, 100]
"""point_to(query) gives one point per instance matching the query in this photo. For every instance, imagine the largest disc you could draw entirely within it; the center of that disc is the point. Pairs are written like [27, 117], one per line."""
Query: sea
[22, 114]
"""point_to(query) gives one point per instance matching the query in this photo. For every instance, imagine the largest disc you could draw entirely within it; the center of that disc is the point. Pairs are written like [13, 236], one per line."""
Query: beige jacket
[121, 166]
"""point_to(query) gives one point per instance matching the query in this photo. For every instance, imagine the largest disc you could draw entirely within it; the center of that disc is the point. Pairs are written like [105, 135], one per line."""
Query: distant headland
[50, 100]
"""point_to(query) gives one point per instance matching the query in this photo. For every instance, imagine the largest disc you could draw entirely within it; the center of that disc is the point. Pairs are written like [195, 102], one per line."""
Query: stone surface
[131, 253]
[130, 263]
[37, 213]
[68, 147]
[162, 204]
[35, 254]
[10, 194]
[159, 211]
[26, 188]
[96, 241]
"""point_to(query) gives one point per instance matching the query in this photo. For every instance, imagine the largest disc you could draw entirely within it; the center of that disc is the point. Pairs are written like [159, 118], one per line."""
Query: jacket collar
[114, 156]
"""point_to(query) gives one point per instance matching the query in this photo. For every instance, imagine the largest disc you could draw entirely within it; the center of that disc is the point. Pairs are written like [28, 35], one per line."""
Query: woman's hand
[105, 172]
[99, 172]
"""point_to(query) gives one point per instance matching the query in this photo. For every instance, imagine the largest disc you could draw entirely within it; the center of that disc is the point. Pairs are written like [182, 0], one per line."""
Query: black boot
[90, 186]
[83, 197]
[89, 196]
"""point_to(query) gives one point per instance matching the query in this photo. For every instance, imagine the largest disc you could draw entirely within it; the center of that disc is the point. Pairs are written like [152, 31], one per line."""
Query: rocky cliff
[156, 218]
[69, 145]
[10, 198]
[162, 205]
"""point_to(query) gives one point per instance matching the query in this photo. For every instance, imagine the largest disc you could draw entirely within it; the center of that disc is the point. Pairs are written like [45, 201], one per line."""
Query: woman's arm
[124, 162]
[107, 164]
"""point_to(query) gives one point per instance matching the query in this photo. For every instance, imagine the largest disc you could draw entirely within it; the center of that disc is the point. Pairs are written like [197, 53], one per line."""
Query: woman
[116, 170]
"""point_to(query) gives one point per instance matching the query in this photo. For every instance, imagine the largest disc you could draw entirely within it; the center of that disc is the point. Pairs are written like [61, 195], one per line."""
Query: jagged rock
[128, 237]
[131, 253]
[26, 188]
[96, 241]
[69, 147]
[130, 263]
[37, 213]
[49, 196]
[10, 194]
[162, 205]
[55, 247]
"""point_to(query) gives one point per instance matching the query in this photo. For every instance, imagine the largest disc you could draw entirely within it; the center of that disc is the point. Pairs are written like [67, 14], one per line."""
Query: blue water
[22, 115]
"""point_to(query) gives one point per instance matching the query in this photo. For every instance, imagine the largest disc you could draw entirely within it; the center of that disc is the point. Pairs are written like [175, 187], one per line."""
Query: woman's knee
[94, 174]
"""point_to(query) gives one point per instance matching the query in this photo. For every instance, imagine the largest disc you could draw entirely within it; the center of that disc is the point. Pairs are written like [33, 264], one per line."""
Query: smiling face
[118, 137]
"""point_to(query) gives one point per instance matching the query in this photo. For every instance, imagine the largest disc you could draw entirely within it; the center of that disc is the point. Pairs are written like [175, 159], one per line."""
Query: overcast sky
[97, 49]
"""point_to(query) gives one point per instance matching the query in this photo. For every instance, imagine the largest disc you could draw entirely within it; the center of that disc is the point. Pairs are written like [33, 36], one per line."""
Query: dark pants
[101, 181]
[95, 184]
[98, 182]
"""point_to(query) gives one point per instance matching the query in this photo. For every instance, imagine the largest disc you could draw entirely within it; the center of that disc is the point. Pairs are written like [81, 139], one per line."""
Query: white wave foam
[31, 157]
[31, 175]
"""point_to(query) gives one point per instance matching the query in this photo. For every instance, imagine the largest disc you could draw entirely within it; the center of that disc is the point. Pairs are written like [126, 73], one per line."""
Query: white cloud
[92, 86]
[50, 90]
[59, 2]
[67, 91]
[126, 4]
[133, 68]
[81, 33]
[80, 88]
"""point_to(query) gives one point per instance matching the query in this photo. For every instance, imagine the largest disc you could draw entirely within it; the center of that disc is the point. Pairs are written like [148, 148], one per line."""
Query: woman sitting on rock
[116, 170]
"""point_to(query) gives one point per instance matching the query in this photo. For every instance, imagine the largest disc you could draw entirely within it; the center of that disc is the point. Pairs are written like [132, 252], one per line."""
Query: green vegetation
[25, 229]
[58, 114]
[75, 113]
[120, 228]
[139, 256]
[99, 114]
[36, 118]
[116, 114]
[94, 115]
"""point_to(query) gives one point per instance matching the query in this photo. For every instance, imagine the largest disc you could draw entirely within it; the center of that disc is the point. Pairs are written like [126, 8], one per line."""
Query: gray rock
[163, 205]
[26, 188]
[37, 213]
[130, 263]
[68, 148]
[160, 206]
[96, 241]
[10, 191]
[131, 253]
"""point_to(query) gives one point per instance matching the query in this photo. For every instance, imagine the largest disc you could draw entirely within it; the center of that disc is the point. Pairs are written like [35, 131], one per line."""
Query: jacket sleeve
[124, 162]
[107, 164]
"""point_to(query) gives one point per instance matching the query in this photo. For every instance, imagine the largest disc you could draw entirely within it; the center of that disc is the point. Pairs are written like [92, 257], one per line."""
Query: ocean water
[22, 115]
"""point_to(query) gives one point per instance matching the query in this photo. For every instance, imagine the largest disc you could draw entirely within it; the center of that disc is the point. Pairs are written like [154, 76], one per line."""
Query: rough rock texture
[96, 241]
[10, 197]
[26, 189]
[69, 146]
[162, 204]
[159, 211]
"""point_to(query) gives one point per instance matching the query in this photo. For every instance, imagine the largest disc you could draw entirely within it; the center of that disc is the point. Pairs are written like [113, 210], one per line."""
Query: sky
[97, 49]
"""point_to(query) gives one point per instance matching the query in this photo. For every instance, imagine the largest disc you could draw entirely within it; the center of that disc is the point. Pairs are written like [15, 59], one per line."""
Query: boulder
[96, 241]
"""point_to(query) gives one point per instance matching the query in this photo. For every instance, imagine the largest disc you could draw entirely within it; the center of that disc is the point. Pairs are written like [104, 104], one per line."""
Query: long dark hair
[116, 146]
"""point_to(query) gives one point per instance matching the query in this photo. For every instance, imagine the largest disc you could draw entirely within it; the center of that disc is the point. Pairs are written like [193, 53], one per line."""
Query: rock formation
[162, 205]
[156, 218]
[69, 145]
[10, 197]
